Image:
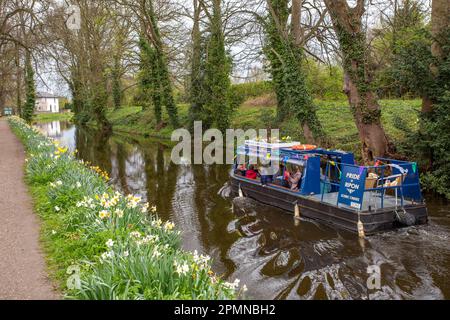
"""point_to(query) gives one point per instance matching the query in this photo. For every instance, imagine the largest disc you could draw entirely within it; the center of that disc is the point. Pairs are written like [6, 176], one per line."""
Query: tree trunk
[284, 51]
[347, 23]
[2, 99]
[196, 85]
[440, 22]
[296, 17]
[18, 81]
[217, 73]
[154, 37]
[297, 34]
[371, 133]
[99, 95]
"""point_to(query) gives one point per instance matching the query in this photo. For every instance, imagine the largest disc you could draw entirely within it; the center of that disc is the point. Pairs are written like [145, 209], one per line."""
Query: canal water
[276, 256]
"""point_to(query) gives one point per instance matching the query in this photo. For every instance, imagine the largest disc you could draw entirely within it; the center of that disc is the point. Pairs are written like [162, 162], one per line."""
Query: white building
[46, 103]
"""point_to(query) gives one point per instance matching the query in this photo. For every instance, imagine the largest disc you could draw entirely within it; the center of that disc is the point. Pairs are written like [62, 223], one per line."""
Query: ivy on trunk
[347, 23]
[217, 108]
[30, 102]
[286, 57]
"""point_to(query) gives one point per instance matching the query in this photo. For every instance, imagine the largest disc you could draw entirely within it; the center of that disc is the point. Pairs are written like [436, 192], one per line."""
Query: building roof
[41, 94]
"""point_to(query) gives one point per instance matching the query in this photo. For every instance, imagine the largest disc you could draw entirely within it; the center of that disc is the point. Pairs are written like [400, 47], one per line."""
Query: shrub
[243, 91]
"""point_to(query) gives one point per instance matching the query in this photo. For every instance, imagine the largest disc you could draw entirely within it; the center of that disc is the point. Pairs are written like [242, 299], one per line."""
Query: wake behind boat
[327, 186]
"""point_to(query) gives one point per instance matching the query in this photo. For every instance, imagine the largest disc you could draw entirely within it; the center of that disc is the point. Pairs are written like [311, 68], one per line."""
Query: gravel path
[22, 265]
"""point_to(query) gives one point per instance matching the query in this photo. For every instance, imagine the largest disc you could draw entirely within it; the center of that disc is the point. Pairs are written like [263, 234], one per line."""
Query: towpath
[23, 274]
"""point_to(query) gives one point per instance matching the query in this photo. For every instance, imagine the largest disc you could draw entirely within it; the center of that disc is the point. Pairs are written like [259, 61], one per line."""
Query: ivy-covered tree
[197, 76]
[274, 49]
[286, 56]
[116, 75]
[149, 81]
[161, 69]
[30, 87]
[348, 26]
[217, 106]
[155, 75]
[435, 133]
[440, 24]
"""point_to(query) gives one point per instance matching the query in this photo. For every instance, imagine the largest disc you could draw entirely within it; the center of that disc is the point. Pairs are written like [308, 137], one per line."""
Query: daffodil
[156, 254]
[144, 208]
[133, 201]
[234, 285]
[110, 243]
[62, 150]
[107, 255]
[148, 239]
[156, 223]
[104, 214]
[135, 234]
[168, 226]
[181, 269]
[119, 213]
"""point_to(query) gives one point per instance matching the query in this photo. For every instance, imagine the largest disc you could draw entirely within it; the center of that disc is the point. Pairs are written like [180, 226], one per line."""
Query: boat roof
[284, 150]
[270, 145]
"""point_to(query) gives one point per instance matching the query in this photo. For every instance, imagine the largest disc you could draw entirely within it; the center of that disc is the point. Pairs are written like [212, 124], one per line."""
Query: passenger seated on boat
[295, 178]
[241, 169]
[251, 173]
[283, 177]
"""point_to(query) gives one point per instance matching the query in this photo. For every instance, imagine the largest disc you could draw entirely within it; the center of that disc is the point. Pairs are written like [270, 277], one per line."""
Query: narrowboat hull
[374, 221]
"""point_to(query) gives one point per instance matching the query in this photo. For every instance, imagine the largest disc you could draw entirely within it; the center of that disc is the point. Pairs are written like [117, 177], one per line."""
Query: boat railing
[377, 182]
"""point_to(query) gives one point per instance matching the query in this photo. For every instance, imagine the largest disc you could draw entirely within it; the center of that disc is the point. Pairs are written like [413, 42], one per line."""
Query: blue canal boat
[333, 189]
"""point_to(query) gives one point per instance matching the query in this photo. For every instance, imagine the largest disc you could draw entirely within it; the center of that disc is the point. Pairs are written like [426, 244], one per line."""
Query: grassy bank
[102, 244]
[49, 117]
[399, 117]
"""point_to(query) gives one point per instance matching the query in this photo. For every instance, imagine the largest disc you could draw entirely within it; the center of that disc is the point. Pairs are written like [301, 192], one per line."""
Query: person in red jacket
[251, 173]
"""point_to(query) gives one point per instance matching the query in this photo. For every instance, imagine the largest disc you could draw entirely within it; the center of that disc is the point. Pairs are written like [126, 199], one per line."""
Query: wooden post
[361, 232]
[297, 211]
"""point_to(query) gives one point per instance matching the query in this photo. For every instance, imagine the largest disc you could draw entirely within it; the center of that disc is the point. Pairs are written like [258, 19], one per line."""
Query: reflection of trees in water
[161, 177]
[121, 157]
[210, 212]
[94, 147]
[65, 125]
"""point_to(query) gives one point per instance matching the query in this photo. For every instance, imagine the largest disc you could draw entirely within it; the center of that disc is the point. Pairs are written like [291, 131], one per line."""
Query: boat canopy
[331, 155]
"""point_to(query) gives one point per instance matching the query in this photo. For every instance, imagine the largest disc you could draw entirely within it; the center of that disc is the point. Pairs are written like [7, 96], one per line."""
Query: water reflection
[275, 255]
[61, 130]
